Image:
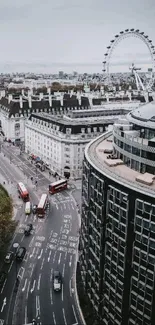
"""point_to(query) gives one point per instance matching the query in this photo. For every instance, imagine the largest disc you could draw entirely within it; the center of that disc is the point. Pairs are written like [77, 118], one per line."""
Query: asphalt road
[51, 246]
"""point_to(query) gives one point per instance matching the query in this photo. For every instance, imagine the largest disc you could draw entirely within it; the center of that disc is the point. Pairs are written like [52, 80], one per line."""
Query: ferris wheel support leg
[137, 82]
[140, 82]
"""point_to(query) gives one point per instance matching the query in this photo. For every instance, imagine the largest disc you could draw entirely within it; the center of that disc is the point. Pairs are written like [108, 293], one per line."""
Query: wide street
[51, 246]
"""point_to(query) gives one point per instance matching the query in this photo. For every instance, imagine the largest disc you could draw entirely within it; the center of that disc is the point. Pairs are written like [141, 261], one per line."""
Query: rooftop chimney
[50, 100]
[30, 101]
[21, 101]
[29, 92]
[10, 97]
[2, 93]
[61, 101]
[49, 90]
[41, 96]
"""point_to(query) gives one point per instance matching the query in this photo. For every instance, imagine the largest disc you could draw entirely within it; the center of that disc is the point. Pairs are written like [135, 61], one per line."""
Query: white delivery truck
[28, 208]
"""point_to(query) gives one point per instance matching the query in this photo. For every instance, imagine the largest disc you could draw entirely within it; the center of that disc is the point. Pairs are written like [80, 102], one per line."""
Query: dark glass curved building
[117, 241]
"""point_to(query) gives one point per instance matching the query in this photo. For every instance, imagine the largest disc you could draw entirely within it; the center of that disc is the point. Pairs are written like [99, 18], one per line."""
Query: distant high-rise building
[61, 74]
[117, 241]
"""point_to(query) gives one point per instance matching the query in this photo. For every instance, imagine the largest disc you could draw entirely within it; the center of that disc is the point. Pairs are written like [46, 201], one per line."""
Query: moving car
[28, 229]
[20, 253]
[9, 257]
[34, 209]
[3, 276]
[57, 281]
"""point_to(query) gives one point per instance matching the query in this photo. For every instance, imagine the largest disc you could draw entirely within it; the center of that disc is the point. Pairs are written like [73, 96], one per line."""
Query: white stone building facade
[63, 152]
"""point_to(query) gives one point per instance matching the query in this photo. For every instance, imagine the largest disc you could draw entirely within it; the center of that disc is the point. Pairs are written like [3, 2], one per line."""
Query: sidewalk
[74, 183]
[12, 191]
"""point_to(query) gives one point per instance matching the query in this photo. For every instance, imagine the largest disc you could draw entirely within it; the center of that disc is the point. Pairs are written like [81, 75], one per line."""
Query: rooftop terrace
[97, 152]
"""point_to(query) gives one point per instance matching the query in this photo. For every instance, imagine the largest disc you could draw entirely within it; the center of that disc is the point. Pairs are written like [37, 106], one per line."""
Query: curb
[78, 307]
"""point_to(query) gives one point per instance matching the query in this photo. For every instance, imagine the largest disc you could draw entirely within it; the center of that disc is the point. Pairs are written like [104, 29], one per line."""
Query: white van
[27, 208]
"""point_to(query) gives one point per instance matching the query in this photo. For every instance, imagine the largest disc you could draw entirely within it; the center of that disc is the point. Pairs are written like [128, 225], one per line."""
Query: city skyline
[72, 35]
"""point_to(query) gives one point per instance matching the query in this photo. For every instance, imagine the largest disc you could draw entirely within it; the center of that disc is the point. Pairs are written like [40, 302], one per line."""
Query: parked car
[34, 208]
[28, 229]
[3, 276]
[57, 281]
[9, 257]
[20, 253]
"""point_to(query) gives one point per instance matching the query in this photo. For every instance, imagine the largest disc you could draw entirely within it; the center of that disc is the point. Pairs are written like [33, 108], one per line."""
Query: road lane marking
[63, 271]
[38, 287]
[23, 289]
[62, 293]
[32, 289]
[42, 264]
[34, 218]
[33, 252]
[31, 242]
[65, 255]
[72, 206]
[64, 316]
[70, 287]
[32, 270]
[37, 306]
[28, 288]
[49, 256]
[21, 270]
[25, 314]
[26, 218]
[26, 257]
[54, 318]
[40, 254]
[36, 253]
[59, 259]
[51, 297]
[51, 276]
[4, 303]
[70, 262]
[10, 267]
[54, 257]
[38, 228]
[22, 238]
[3, 285]
[74, 314]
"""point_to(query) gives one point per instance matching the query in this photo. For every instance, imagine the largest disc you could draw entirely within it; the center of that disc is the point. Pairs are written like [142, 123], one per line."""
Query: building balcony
[132, 141]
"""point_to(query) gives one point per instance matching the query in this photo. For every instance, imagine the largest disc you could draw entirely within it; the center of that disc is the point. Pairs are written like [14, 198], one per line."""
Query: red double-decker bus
[23, 191]
[58, 186]
[42, 206]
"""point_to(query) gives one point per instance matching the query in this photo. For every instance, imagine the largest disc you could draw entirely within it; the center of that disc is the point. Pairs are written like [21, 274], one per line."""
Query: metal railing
[95, 161]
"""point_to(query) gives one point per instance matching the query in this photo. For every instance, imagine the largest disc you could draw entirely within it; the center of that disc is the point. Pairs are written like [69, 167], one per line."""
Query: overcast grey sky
[73, 33]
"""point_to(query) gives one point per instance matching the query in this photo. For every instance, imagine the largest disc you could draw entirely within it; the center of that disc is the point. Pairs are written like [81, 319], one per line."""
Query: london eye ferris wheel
[151, 48]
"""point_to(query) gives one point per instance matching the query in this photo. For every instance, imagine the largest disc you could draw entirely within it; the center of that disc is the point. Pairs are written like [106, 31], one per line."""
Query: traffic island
[7, 224]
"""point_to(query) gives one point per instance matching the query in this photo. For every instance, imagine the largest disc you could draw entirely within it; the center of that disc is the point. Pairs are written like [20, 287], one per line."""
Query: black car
[34, 208]
[28, 229]
[9, 257]
[3, 276]
[57, 281]
[20, 253]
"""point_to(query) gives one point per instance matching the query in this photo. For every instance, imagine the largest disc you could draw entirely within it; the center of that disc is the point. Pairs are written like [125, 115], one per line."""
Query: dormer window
[68, 130]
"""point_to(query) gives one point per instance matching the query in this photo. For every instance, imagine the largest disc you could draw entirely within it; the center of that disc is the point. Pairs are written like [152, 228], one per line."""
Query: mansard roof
[14, 105]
